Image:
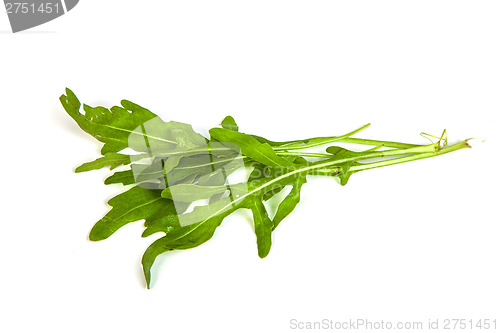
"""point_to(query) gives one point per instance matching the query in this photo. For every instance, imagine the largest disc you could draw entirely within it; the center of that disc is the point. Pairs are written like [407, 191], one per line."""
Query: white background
[403, 243]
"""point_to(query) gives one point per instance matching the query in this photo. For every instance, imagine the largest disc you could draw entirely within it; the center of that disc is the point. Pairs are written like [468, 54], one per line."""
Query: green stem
[301, 154]
[445, 150]
[319, 141]
[432, 148]
[414, 151]
[329, 170]
[309, 143]
[378, 143]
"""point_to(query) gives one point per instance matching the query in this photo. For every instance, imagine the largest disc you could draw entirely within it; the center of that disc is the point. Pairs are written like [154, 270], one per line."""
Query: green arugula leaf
[229, 123]
[112, 160]
[290, 201]
[261, 152]
[133, 205]
[183, 238]
[113, 126]
[263, 227]
[121, 177]
[341, 153]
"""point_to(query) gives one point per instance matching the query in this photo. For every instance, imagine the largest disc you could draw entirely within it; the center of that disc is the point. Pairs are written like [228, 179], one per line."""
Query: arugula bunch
[183, 184]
